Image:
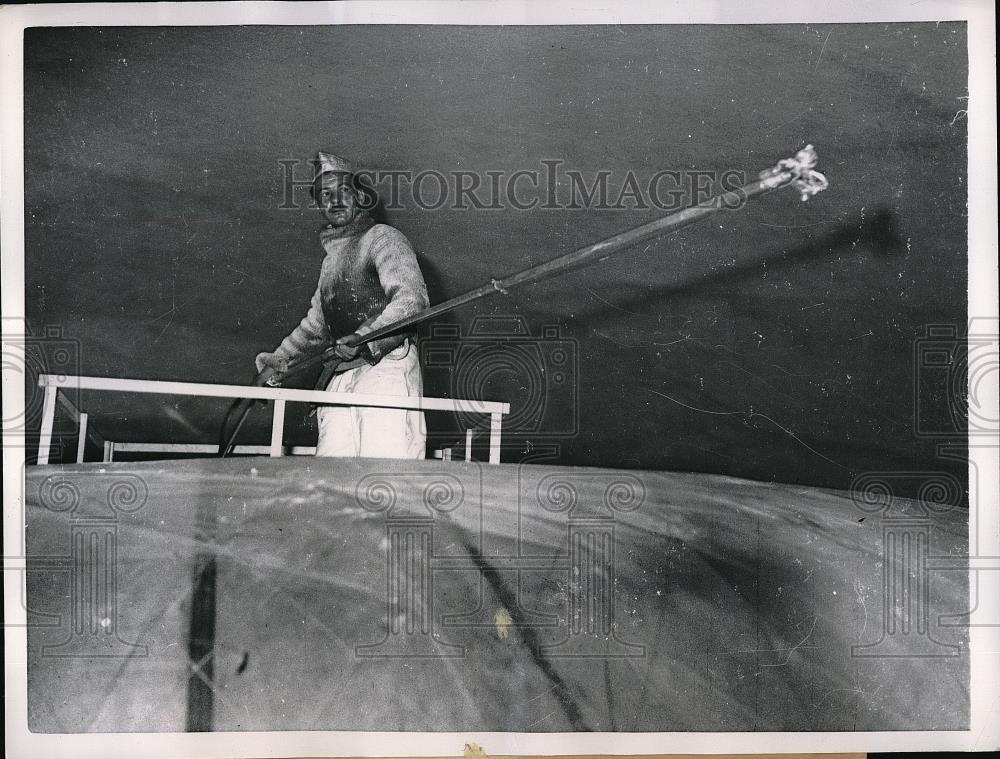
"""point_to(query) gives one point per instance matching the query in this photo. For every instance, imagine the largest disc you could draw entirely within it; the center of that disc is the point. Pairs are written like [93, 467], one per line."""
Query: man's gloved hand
[272, 361]
[347, 347]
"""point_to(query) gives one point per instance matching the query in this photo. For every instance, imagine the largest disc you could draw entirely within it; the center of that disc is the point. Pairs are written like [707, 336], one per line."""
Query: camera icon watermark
[93, 504]
[500, 352]
[955, 374]
[908, 563]
[27, 355]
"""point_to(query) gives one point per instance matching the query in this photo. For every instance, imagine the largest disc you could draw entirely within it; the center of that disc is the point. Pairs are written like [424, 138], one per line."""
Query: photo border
[984, 641]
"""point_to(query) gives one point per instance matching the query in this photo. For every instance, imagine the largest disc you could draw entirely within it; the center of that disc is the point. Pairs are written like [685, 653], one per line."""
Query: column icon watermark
[92, 562]
[416, 505]
[907, 558]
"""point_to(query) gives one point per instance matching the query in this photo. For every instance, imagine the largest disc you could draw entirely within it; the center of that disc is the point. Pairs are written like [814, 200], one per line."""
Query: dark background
[778, 342]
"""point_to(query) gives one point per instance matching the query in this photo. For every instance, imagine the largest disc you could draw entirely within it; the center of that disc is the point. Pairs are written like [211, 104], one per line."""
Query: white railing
[279, 396]
[111, 447]
[446, 453]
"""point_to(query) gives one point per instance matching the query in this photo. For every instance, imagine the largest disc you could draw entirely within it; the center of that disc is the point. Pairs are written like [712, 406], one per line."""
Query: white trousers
[382, 433]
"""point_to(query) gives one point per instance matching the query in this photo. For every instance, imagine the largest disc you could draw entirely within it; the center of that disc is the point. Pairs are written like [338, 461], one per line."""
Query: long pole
[798, 172]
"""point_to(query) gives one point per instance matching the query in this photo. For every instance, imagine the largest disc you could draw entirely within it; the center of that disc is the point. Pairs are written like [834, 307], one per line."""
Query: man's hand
[347, 347]
[271, 361]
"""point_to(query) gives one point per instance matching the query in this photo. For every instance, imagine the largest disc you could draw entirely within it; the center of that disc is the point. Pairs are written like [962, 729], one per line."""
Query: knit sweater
[369, 278]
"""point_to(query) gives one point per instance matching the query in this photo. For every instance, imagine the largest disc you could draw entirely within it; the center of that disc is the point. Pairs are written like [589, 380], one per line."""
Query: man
[369, 278]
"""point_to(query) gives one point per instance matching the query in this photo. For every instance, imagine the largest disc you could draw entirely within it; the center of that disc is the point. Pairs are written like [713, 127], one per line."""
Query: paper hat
[329, 162]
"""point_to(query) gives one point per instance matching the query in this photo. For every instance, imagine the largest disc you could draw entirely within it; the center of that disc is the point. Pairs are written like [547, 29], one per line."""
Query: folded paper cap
[326, 162]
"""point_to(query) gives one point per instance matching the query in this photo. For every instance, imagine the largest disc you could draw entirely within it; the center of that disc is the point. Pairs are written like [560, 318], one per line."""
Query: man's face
[337, 199]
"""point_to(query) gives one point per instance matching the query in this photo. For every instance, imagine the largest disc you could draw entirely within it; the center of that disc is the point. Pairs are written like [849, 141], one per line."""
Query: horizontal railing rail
[278, 396]
[123, 446]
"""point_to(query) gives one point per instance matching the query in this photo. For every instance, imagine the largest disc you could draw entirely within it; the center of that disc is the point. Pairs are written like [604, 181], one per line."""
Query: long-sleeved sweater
[369, 278]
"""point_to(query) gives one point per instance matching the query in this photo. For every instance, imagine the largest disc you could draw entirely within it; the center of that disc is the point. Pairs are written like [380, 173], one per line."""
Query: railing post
[109, 452]
[277, 428]
[48, 421]
[468, 445]
[81, 438]
[496, 420]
